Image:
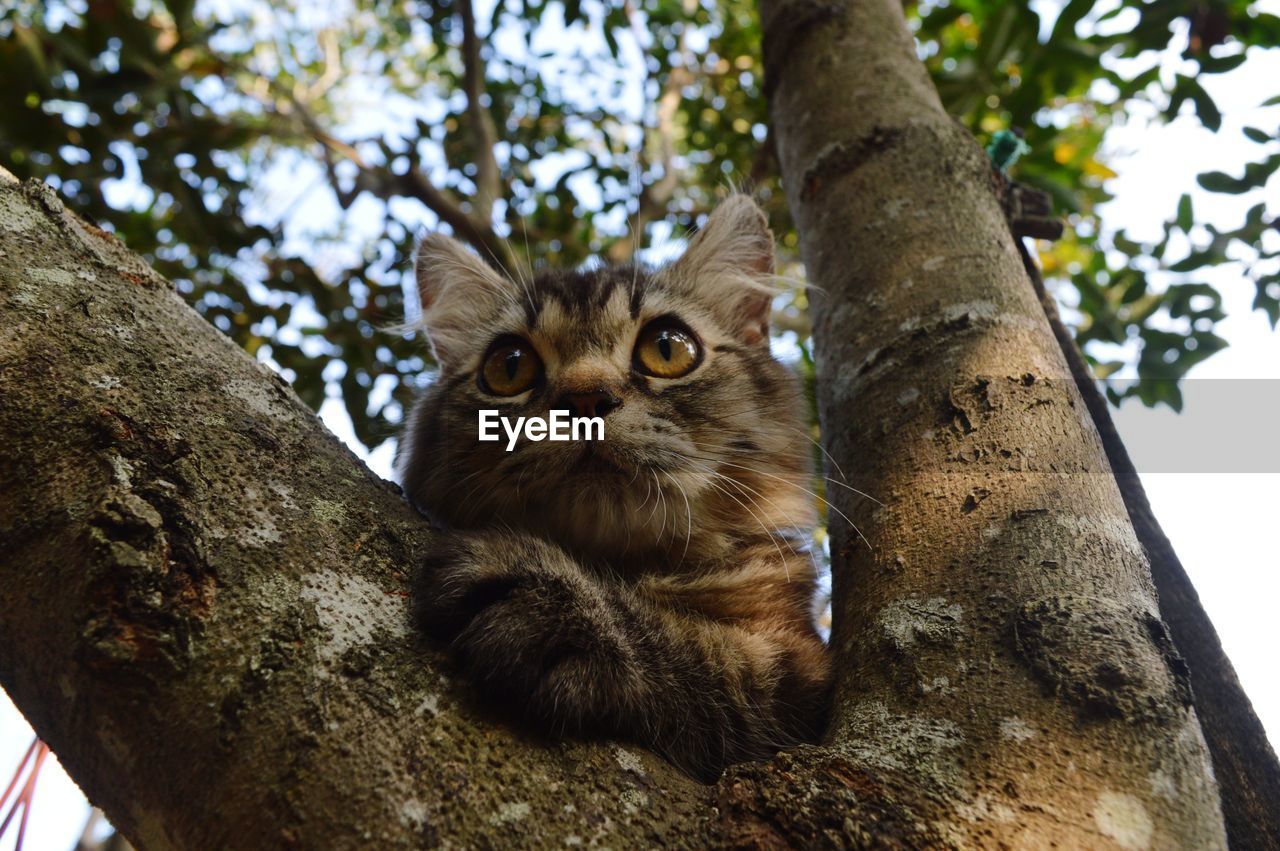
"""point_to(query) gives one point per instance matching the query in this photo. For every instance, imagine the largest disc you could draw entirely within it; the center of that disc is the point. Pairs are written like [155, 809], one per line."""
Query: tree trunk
[203, 601]
[1006, 660]
[1244, 763]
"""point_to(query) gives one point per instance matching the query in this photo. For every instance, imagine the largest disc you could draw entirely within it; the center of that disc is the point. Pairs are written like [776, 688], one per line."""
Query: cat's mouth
[599, 458]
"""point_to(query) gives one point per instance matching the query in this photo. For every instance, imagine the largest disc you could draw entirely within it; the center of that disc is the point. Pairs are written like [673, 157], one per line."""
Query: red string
[16, 774]
[29, 794]
[40, 750]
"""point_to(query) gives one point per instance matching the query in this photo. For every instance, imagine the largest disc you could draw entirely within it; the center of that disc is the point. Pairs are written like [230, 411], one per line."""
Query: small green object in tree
[1005, 148]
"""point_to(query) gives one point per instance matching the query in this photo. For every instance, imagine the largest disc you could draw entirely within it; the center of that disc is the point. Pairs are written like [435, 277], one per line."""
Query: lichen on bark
[203, 601]
[204, 595]
[1004, 659]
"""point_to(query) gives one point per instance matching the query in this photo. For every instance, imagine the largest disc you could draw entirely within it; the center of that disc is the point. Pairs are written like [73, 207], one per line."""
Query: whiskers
[688, 512]
[758, 472]
[771, 534]
[832, 481]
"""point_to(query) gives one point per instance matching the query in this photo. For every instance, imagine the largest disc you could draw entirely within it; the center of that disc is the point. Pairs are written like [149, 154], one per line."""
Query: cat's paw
[527, 625]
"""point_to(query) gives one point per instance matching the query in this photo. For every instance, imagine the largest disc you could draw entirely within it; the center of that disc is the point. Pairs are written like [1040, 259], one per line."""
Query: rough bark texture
[1009, 670]
[203, 600]
[1244, 763]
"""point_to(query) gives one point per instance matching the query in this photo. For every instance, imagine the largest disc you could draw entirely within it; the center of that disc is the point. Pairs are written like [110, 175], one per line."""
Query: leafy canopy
[278, 160]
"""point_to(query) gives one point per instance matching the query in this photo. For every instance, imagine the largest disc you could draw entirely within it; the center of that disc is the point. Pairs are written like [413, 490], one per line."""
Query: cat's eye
[510, 368]
[666, 349]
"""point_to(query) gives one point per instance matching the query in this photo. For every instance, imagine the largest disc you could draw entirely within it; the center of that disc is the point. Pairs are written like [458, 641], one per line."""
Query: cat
[654, 585]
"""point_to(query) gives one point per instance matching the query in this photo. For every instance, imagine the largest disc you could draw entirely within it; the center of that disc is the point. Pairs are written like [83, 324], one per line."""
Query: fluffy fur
[654, 585]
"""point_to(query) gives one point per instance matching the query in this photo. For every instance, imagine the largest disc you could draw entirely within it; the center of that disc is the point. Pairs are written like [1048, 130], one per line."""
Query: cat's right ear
[729, 265]
[459, 294]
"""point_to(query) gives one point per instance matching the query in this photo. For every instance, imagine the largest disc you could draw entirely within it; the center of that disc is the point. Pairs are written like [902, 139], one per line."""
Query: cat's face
[698, 417]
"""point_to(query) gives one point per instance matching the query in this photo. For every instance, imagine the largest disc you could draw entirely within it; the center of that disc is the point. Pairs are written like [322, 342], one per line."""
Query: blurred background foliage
[277, 161]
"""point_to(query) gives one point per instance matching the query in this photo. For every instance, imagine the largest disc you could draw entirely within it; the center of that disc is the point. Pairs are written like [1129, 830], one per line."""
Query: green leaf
[1268, 298]
[1107, 369]
[1071, 14]
[1188, 88]
[1128, 246]
[1221, 64]
[1207, 110]
[1185, 214]
[1135, 289]
[1217, 181]
[1259, 136]
[1180, 299]
[1197, 259]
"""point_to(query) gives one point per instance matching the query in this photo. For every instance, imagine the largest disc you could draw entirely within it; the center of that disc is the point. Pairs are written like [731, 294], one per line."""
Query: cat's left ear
[729, 266]
[460, 295]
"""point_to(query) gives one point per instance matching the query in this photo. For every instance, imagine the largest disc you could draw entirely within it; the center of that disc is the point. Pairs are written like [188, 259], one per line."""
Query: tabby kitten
[653, 585]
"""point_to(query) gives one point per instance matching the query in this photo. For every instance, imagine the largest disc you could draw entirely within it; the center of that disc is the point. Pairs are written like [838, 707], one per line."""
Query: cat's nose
[595, 403]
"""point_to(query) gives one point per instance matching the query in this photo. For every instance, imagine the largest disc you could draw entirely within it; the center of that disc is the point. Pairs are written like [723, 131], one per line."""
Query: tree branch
[488, 177]
[383, 183]
[203, 609]
[654, 197]
[1244, 763]
[414, 184]
[203, 601]
[651, 203]
[1000, 552]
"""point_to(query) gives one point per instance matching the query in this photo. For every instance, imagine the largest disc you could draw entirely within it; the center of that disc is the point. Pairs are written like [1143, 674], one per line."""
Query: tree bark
[1006, 662]
[203, 601]
[1244, 763]
[203, 607]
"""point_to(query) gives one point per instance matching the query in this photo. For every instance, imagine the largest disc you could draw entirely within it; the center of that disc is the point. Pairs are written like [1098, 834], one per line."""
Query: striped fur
[653, 586]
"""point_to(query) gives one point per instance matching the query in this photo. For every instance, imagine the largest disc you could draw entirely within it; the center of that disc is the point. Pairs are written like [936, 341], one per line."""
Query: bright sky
[1222, 523]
